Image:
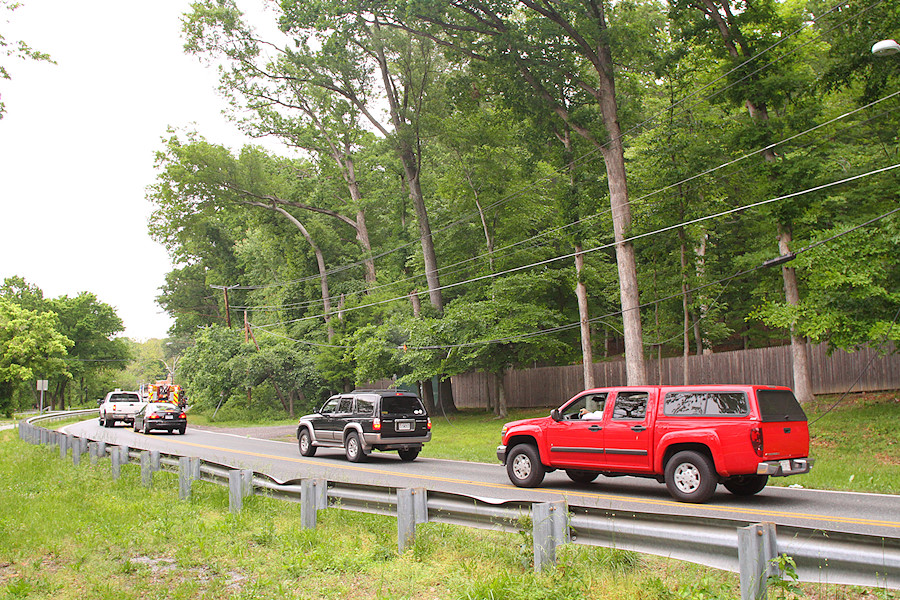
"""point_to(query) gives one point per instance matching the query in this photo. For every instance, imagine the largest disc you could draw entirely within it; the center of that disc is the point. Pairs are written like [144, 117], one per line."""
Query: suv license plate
[404, 425]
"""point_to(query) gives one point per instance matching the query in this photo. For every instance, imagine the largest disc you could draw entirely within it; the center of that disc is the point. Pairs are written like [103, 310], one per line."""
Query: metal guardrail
[820, 556]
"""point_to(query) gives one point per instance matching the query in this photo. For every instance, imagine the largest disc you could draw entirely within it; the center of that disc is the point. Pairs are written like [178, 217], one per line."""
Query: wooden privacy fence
[550, 386]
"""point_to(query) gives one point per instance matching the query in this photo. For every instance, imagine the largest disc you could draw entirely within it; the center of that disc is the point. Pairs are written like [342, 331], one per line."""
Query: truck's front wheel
[523, 465]
[690, 477]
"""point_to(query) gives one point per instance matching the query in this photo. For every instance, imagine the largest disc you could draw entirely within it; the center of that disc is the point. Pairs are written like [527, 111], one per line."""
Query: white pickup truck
[120, 406]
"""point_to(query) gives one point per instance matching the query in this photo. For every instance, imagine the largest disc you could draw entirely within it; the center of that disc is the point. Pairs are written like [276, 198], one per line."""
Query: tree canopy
[459, 199]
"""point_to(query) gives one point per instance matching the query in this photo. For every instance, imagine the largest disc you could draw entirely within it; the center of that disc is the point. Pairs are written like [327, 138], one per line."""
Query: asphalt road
[875, 514]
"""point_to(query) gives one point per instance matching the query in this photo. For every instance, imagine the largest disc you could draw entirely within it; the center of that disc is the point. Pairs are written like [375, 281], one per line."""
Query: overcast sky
[77, 145]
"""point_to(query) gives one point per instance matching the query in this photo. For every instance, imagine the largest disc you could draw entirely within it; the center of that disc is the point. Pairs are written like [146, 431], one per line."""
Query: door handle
[594, 428]
[639, 428]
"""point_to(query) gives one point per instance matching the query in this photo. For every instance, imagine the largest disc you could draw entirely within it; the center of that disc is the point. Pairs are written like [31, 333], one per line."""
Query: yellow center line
[731, 511]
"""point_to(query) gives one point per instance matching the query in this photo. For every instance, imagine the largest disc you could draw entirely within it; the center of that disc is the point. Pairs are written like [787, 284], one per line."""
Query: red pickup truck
[689, 437]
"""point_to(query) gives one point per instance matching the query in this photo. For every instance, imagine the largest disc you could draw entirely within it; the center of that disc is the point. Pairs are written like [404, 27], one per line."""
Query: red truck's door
[575, 443]
[784, 425]
[576, 439]
[628, 432]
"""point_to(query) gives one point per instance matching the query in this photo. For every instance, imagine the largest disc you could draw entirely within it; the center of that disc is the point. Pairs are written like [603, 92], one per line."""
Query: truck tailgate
[784, 425]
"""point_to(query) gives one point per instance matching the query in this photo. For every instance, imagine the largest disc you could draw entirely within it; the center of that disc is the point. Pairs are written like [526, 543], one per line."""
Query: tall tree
[31, 347]
[550, 44]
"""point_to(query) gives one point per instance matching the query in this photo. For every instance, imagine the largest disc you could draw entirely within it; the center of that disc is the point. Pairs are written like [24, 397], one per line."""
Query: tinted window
[779, 405]
[365, 406]
[330, 406]
[346, 405]
[124, 398]
[630, 405]
[163, 407]
[706, 403]
[401, 405]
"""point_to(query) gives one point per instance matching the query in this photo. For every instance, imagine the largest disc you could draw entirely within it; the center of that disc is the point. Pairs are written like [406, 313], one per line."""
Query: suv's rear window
[401, 405]
[124, 398]
[779, 405]
[706, 403]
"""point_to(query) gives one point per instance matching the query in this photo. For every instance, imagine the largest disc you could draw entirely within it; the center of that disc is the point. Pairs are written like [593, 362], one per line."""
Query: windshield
[163, 407]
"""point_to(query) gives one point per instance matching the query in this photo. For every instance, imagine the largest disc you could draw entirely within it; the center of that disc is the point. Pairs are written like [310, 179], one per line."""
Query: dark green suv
[366, 420]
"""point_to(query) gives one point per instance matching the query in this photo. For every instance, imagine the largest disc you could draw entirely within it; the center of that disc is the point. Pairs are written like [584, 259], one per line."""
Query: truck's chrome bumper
[782, 468]
[501, 454]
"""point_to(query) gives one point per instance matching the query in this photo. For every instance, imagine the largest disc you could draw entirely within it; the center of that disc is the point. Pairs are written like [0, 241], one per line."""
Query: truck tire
[304, 441]
[690, 477]
[579, 476]
[523, 466]
[353, 448]
[746, 485]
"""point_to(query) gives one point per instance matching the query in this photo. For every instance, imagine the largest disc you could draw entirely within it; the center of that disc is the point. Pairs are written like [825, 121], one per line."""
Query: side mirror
[554, 414]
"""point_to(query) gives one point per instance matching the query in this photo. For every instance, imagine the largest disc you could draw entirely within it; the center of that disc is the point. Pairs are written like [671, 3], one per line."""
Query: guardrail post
[195, 464]
[126, 456]
[146, 470]
[412, 509]
[116, 458]
[235, 490]
[550, 529]
[63, 444]
[76, 450]
[154, 461]
[313, 496]
[184, 478]
[246, 482]
[757, 547]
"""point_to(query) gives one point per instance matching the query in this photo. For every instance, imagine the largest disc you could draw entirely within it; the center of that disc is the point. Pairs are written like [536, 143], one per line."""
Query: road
[875, 514]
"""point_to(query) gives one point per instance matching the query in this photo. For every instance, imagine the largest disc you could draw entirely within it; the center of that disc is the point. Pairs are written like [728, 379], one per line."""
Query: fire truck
[166, 391]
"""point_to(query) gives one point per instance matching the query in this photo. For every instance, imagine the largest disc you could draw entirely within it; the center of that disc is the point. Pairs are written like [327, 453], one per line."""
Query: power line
[609, 245]
[584, 157]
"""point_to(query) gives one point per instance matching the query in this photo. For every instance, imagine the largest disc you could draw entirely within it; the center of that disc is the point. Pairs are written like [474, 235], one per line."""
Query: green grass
[471, 435]
[856, 444]
[71, 532]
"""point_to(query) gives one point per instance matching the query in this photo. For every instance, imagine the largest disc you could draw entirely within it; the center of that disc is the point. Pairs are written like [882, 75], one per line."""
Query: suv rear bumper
[383, 442]
[783, 468]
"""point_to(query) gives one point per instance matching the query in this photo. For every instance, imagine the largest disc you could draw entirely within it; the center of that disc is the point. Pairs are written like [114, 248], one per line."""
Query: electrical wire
[584, 157]
[606, 246]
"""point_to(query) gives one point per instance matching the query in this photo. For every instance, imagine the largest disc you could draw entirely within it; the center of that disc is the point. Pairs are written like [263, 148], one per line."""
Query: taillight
[756, 439]
[153, 416]
[182, 416]
[429, 423]
[376, 424]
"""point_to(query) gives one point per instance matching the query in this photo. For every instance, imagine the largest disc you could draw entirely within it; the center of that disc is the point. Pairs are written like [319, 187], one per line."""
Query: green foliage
[492, 114]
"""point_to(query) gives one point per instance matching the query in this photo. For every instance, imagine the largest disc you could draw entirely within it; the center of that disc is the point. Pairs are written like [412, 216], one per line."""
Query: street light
[885, 48]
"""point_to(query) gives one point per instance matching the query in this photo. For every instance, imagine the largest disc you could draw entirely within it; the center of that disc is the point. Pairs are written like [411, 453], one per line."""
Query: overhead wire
[592, 152]
[636, 201]
[609, 245]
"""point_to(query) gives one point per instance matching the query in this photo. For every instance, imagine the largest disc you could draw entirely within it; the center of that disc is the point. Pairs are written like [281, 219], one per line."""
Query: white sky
[77, 146]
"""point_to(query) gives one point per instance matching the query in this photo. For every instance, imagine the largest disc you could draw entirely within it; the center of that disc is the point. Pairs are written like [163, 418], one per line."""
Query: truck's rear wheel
[690, 477]
[746, 485]
[523, 466]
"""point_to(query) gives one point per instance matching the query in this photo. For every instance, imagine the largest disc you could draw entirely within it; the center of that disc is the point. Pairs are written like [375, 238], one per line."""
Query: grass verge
[72, 532]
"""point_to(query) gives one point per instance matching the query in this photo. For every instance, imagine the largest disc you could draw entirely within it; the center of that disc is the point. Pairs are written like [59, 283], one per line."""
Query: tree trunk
[685, 308]
[320, 262]
[587, 353]
[502, 409]
[799, 355]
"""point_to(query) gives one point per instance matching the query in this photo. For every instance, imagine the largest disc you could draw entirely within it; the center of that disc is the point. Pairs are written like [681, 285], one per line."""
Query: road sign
[42, 385]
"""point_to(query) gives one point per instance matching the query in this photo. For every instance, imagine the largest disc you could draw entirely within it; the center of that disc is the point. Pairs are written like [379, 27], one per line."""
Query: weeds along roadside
[70, 531]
